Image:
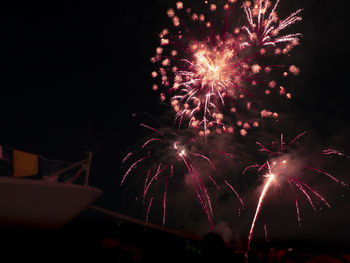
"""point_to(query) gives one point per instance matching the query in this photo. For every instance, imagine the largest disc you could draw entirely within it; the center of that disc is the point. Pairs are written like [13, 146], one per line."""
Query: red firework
[209, 69]
[165, 151]
[281, 168]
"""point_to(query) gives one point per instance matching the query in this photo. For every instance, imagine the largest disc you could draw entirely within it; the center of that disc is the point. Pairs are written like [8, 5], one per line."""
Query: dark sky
[63, 63]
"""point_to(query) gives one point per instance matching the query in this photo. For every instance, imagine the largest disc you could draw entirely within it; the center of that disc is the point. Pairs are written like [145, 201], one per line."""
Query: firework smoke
[282, 169]
[215, 70]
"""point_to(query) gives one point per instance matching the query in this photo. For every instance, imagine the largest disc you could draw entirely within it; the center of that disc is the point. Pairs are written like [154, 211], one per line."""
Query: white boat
[42, 204]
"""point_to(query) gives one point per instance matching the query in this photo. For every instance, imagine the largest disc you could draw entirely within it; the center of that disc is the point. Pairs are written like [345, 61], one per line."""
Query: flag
[24, 164]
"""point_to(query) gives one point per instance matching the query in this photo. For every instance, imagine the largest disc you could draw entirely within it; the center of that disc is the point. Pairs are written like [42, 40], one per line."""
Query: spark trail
[270, 179]
[162, 152]
[283, 167]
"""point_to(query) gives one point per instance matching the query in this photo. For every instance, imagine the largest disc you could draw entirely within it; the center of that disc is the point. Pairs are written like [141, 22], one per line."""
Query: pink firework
[265, 26]
[162, 153]
[210, 69]
[281, 168]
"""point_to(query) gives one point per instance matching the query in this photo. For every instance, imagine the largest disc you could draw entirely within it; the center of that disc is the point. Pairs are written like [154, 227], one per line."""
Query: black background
[65, 64]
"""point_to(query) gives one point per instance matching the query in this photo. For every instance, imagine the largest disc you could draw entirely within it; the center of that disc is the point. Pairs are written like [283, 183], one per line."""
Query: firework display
[282, 167]
[216, 65]
[210, 70]
[169, 151]
[162, 154]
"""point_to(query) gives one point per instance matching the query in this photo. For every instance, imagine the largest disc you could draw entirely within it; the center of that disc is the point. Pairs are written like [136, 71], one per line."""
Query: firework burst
[281, 169]
[164, 154]
[209, 69]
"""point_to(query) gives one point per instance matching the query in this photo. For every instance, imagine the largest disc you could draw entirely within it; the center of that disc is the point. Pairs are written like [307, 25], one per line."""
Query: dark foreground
[94, 237]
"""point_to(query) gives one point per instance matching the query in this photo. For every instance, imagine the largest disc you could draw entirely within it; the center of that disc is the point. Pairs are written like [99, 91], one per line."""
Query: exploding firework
[208, 68]
[282, 168]
[164, 154]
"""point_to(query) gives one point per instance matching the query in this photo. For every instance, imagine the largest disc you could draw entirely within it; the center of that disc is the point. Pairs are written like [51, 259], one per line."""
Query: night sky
[66, 66]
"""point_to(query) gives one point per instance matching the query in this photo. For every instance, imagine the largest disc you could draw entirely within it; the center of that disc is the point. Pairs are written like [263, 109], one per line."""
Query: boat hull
[42, 204]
